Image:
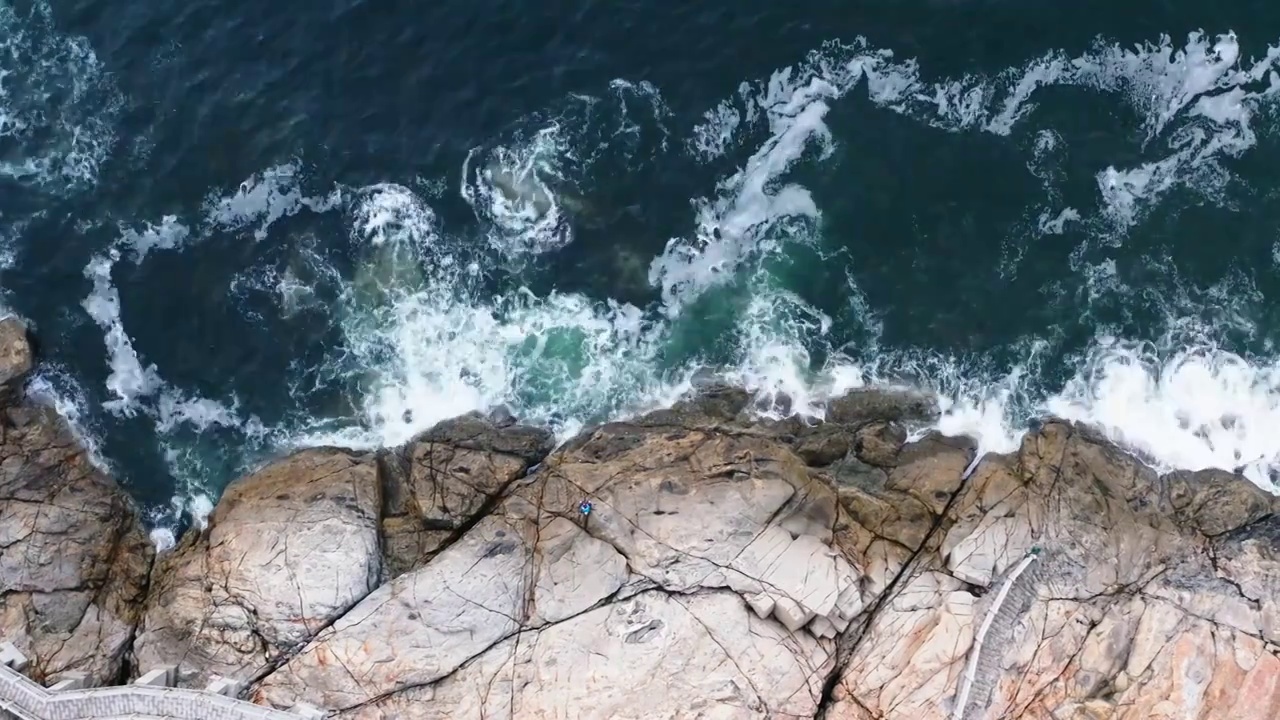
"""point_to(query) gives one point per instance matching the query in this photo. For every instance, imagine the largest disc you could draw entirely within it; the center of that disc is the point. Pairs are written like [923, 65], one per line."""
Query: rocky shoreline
[727, 568]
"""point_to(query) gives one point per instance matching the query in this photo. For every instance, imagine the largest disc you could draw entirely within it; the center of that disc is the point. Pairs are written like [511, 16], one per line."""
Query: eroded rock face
[287, 551]
[866, 405]
[73, 557]
[745, 564]
[1135, 608]
[730, 568]
[696, 656]
[16, 358]
[441, 482]
[701, 547]
[292, 548]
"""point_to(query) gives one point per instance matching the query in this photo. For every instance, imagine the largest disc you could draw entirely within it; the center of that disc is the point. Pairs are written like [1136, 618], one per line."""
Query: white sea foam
[182, 420]
[1191, 408]
[54, 386]
[1201, 99]
[528, 188]
[137, 386]
[129, 380]
[429, 348]
[425, 340]
[511, 189]
[264, 199]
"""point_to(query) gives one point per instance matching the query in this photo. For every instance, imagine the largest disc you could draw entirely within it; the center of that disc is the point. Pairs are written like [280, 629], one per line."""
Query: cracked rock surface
[439, 484]
[701, 550]
[1154, 597]
[73, 557]
[728, 568]
[732, 568]
[287, 551]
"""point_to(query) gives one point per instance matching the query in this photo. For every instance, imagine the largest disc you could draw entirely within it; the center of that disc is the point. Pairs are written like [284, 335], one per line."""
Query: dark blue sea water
[242, 227]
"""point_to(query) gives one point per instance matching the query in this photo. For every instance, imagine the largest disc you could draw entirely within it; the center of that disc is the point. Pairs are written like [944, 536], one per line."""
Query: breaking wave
[433, 324]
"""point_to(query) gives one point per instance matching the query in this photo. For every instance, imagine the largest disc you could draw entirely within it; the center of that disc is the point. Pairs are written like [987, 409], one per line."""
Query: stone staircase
[1018, 592]
[150, 697]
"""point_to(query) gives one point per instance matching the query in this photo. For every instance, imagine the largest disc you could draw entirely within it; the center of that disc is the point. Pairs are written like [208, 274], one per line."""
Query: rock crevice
[729, 567]
[74, 561]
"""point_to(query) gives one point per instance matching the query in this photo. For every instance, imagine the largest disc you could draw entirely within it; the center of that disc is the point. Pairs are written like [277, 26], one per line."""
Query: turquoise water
[242, 228]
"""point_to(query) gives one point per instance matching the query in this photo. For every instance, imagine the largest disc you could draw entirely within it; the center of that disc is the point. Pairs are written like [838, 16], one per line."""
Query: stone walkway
[1002, 618]
[25, 700]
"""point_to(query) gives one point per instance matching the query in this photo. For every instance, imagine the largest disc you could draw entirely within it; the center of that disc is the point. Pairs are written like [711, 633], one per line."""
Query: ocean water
[240, 228]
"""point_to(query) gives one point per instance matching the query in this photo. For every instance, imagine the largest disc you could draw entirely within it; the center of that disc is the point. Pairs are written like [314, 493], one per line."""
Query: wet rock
[705, 377]
[1216, 502]
[477, 433]
[866, 405]
[440, 483]
[903, 505]
[73, 557]
[880, 442]
[821, 445]
[16, 358]
[501, 417]
[711, 404]
[777, 405]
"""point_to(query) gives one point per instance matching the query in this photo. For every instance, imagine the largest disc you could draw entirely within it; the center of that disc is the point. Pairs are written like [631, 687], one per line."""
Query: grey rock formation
[73, 557]
[727, 568]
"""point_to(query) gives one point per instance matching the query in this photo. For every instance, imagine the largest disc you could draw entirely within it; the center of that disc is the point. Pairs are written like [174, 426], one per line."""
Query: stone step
[158, 677]
[10, 657]
[70, 681]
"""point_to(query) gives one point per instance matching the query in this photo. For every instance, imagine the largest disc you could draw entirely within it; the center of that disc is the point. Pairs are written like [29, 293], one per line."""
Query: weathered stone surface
[865, 405]
[442, 481]
[726, 537]
[15, 358]
[73, 557]
[1144, 591]
[823, 444]
[287, 551]
[728, 568]
[422, 626]
[879, 443]
[669, 656]
[1153, 597]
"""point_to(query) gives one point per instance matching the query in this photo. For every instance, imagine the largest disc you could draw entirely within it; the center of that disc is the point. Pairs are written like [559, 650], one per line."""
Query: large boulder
[865, 405]
[287, 551]
[290, 549]
[442, 482]
[73, 556]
